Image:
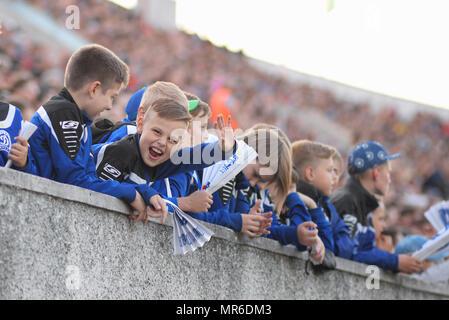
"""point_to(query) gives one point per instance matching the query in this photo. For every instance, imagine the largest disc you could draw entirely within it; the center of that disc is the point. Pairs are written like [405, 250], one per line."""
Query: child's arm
[53, 163]
[342, 240]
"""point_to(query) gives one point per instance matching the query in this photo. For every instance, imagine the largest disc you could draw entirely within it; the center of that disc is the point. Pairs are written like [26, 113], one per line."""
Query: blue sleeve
[145, 191]
[53, 163]
[378, 257]
[285, 235]
[221, 217]
[342, 240]
[297, 211]
[366, 252]
[195, 158]
[324, 228]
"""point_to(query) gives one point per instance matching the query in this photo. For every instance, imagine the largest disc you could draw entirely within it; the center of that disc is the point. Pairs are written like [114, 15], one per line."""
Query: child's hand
[225, 133]
[305, 236]
[409, 264]
[139, 205]
[319, 251]
[253, 224]
[266, 224]
[199, 201]
[19, 152]
[157, 208]
[263, 223]
[256, 208]
[310, 204]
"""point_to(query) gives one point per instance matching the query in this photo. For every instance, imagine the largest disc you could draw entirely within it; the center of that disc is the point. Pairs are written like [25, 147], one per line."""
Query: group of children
[161, 149]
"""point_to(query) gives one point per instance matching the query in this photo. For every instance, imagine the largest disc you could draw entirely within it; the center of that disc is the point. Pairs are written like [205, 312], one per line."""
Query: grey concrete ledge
[74, 215]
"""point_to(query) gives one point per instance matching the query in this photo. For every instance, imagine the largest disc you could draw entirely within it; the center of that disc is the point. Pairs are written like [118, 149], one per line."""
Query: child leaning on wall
[61, 145]
[314, 163]
[153, 152]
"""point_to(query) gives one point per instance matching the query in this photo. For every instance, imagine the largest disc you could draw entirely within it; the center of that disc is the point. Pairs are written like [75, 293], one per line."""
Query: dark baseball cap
[367, 155]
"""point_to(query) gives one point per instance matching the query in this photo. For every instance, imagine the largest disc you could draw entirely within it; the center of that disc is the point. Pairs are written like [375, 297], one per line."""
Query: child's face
[383, 179]
[335, 175]
[198, 130]
[100, 101]
[158, 137]
[323, 176]
[253, 174]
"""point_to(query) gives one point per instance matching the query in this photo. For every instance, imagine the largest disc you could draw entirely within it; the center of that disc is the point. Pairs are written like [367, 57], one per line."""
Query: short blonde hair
[307, 153]
[168, 109]
[163, 90]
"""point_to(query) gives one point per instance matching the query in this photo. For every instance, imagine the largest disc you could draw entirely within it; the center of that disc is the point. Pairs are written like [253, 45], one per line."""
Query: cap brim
[394, 156]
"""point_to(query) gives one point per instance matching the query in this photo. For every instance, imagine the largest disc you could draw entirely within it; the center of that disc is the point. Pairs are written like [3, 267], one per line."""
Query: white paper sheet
[438, 215]
[188, 233]
[434, 246]
[217, 175]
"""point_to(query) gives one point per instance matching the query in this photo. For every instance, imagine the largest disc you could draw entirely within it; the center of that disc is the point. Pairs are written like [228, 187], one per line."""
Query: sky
[395, 47]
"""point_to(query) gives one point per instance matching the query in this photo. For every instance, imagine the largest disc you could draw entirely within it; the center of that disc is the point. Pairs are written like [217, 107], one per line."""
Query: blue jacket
[61, 148]
[354, 204]
[10, 125]
[318, 215]
[343, 245]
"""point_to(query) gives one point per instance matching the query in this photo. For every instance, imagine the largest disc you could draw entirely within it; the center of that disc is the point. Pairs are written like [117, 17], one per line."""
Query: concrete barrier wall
[63, 242]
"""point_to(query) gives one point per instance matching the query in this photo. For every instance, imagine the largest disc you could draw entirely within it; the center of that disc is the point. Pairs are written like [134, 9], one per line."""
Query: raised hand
[225, 133]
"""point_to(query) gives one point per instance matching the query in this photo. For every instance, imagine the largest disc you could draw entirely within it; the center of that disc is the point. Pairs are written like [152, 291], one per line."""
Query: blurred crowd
[31, 72]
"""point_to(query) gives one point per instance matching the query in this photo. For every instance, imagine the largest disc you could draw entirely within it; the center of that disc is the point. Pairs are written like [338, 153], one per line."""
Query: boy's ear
[375, 173]
[92, 88]
[309, 174]
[139, 120]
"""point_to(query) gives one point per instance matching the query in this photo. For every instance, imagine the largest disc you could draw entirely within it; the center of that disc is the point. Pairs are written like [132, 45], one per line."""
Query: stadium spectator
[369, 167]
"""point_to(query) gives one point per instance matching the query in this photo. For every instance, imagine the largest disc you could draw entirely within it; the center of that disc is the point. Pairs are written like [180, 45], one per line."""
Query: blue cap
[133, 104]
[413, 243]
[368, 155]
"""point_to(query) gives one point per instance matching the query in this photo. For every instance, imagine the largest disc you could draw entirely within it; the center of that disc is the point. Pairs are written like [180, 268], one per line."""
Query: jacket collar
[66, 95]
[356, 188]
